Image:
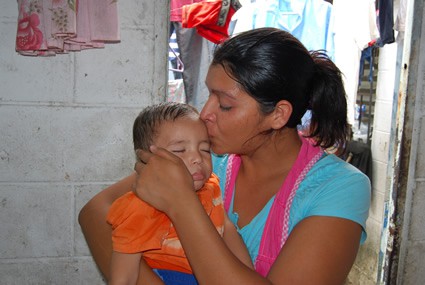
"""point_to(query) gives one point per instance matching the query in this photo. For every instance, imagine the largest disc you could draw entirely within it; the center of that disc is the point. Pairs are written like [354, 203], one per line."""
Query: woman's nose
[206, 112]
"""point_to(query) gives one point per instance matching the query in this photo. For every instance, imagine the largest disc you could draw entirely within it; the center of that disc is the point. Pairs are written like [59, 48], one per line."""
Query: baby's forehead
[181, 126]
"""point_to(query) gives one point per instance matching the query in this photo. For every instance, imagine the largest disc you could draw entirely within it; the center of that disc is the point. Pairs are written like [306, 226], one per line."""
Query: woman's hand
[162, 179]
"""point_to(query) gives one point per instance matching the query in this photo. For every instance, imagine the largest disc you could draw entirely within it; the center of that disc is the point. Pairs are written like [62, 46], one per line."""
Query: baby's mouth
[198, 176]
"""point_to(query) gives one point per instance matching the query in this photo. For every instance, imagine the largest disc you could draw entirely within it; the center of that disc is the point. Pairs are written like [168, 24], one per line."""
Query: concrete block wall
[365, 269]
[65, 134]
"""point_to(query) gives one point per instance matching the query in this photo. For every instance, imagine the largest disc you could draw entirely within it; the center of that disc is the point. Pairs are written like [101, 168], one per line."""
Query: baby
[140, 231]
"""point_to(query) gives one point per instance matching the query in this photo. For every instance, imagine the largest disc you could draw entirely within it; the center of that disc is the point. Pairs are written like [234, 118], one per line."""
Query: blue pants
[171, 277]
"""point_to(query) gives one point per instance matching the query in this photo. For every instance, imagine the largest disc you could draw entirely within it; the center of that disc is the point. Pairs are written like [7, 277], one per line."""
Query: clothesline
[47, 28]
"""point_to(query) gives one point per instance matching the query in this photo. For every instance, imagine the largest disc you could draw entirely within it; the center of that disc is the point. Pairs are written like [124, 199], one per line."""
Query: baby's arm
[128, 269]
[235, 243]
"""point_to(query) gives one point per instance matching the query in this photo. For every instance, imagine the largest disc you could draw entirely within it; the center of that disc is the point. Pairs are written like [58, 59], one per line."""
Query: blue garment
[254, 230]
[310, 21]
[171, 277]
[385, 22]
[367, 55]
[332, 188]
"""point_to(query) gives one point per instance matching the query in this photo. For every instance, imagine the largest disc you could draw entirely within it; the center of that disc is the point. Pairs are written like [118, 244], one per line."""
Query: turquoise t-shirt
[332, 187]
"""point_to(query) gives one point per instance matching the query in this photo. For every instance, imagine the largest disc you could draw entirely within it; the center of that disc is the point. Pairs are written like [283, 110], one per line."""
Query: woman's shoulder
[333, 166]
[334, 177]
[333, 187]
[332, 174]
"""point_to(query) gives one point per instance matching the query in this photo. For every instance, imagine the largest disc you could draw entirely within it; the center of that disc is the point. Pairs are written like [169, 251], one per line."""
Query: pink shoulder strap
[276, 229]
[233, 164]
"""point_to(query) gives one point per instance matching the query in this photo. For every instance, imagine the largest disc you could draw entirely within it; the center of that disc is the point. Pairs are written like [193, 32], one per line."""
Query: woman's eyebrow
[228, 93]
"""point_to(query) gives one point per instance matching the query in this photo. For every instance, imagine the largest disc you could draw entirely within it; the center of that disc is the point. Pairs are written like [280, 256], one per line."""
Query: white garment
[400, 21]
[245, 16]
[354, 27]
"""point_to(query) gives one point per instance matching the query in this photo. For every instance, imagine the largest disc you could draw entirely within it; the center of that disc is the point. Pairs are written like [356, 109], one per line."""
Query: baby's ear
[281, 114]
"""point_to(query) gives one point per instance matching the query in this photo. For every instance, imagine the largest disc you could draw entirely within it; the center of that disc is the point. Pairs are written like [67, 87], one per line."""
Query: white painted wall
[65, 134]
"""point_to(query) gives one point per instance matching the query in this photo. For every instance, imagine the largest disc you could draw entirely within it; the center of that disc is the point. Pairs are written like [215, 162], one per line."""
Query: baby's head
[177, 128]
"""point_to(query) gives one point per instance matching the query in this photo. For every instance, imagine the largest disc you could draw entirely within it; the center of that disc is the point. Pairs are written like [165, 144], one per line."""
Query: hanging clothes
[400, 21]
[195, 54]
[354, 28]
[310, 21]
[176, 8]
[385, 22]
[47, 28]
[210, 18]
[366, 56]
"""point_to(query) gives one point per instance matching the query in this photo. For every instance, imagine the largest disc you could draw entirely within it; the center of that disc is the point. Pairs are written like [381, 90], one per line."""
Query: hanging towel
[50, 27]
[210, 18]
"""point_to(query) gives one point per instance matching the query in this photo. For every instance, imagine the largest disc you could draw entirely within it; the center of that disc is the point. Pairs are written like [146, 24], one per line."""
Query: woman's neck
[262, 173]
[277, 153]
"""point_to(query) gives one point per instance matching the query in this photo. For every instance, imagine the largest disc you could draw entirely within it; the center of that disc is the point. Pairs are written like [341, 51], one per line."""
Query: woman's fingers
[158, 173]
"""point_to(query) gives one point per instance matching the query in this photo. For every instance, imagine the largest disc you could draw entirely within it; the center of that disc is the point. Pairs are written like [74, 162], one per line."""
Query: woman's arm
[235, 243]
[125, 268]
[320, 250]
[96, 230]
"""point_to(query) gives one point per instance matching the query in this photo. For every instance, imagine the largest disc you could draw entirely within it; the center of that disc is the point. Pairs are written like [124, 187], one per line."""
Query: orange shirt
[138, 227]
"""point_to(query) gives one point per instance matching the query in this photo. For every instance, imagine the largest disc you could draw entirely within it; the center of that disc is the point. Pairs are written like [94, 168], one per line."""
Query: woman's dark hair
[147, 123]
[272, 65]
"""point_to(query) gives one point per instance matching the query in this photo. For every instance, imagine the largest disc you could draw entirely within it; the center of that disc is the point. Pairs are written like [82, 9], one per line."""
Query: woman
[301, 212]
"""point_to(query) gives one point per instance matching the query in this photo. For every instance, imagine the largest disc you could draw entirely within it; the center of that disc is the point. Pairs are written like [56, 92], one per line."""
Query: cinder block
[103, 149]
[36, 221]
[376, 211]
[388, 57]
[65, 144]
[33, 79]
[49, 271]
[120, 73]
[383, 116]
[8, 11]
[135, 14]
[380, 146]
[31, 146]
[379, 179]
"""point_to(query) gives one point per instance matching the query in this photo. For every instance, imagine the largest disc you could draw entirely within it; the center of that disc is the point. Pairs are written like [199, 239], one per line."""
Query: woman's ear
[281, 114]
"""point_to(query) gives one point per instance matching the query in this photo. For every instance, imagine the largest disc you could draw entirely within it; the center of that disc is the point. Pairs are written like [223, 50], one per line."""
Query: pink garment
[276, 229]
[50, 27]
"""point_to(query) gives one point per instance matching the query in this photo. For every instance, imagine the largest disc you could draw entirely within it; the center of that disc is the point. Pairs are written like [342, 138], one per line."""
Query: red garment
[211, 18]
[176, 7]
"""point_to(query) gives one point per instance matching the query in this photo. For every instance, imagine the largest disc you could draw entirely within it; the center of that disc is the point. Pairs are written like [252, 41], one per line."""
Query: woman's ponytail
[328, 104]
